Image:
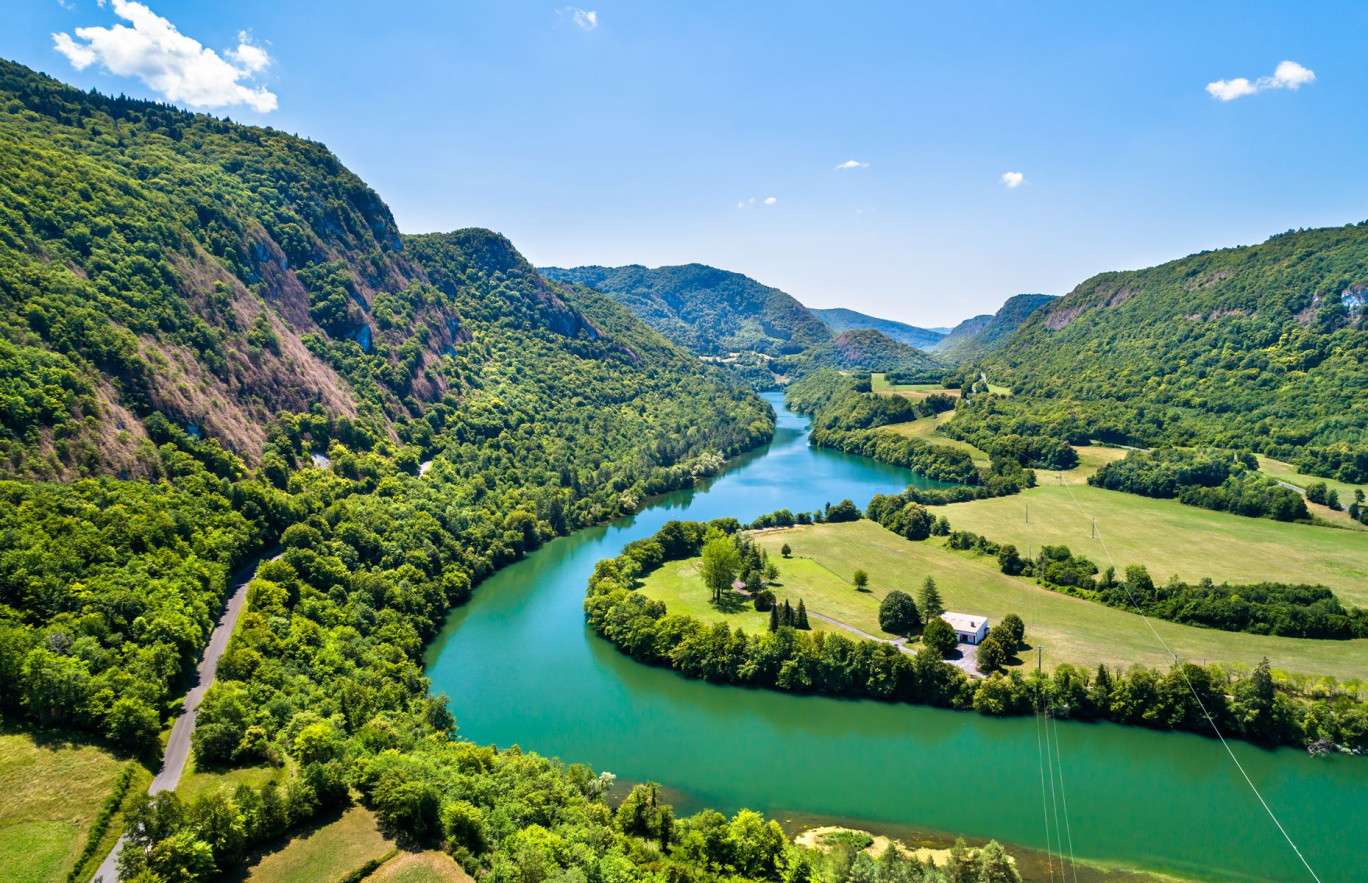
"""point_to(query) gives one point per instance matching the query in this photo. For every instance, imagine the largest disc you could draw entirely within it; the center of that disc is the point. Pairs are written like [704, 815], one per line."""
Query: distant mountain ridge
[709, 311]
[715, 313]
[980, 335]
[841, 319]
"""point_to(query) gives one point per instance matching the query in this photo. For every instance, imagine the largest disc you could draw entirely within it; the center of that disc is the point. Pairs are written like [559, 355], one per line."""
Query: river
[521, 667]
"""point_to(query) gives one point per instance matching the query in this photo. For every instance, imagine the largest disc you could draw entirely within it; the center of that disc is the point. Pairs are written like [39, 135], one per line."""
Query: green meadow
[1070, 629]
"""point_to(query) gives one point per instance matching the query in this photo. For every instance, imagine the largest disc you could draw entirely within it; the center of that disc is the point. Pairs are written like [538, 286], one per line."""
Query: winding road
[178, 744]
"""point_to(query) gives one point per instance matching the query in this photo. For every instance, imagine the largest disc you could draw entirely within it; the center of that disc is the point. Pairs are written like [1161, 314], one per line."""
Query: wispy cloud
[1013, 179]
[770, 200]
[587, 19]
[178, 68]
[1287, 75]
[747, 203]
[853, 164]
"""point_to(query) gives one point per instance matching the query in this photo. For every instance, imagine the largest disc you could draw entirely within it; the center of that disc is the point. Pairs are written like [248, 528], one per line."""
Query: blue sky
[641, 133]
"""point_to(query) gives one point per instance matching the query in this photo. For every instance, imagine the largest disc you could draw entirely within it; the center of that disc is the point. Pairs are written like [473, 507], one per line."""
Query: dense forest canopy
[1262, 347]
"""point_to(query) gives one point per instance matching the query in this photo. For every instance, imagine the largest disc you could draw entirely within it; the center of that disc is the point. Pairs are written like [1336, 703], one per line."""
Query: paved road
[178, 745]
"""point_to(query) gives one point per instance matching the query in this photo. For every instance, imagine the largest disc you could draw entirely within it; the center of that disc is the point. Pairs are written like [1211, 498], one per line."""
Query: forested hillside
[976, 337]
[706, 310]
[839, 319]
[865, 350]
[193, 310]
[1262, 347]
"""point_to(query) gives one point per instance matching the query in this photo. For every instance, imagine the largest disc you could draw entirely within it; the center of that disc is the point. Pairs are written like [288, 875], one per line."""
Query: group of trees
[1245, 704]
[108, 589]
[1227, 481]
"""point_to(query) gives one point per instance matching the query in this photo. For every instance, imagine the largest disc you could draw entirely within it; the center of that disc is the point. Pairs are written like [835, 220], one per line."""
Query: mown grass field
[1288, 473]
[1170, 538]
[680, 586]
[1070, 629]
[878, 383]
[420, 867]
[327, 852]
[50, 793]
[925, 429]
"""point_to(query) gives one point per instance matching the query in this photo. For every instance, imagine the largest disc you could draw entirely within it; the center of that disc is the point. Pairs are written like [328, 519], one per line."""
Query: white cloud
[1013, 179]
[853, 164]
[178, 68]
[1287, 75]
[587, 19]
[770, 200]
[747, 203]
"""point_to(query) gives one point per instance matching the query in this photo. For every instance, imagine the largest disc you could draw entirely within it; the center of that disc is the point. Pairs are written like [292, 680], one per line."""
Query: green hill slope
[865, 350]
[839, 319]
[156, 262]
[976, 337]
[709, 311]
[1262, 347]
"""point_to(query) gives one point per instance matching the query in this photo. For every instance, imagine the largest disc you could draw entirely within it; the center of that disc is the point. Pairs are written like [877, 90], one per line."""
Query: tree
[939, 637]
[132, 724]
[995, 866]
[1254, 704]
[1009, 633]
[898, 613]
[929, 602]
[802, 621]
[860, 580]
[786, 551]
[991, 656]
[720, 565]
[774, 618]
[771, 571]
[843, 511]
[1009, 560]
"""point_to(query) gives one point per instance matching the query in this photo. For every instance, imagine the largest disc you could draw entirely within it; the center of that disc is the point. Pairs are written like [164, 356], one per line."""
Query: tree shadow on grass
[732, 602]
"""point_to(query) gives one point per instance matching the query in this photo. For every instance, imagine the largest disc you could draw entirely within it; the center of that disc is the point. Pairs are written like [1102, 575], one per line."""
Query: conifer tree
[774, 618]
[788, 613]
[802, 616]
[929, 602]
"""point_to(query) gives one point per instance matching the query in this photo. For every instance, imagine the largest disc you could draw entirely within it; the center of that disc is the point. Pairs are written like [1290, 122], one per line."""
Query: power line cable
[1200, 704]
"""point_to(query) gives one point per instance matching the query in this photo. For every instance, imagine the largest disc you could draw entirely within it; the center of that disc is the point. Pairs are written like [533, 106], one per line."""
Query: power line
[1068, 828]
[1200, 704]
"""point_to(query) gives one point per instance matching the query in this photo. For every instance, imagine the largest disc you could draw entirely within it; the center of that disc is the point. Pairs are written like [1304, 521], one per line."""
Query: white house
[968, 628]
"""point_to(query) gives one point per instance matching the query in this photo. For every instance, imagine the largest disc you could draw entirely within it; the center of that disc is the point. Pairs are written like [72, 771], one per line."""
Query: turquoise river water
[521, 667]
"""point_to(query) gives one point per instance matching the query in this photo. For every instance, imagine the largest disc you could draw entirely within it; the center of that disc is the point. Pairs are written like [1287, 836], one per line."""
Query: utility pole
[1040, 652]
[1094, 524]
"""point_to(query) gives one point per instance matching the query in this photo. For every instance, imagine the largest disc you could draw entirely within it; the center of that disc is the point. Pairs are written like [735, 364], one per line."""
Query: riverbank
[1161, 801]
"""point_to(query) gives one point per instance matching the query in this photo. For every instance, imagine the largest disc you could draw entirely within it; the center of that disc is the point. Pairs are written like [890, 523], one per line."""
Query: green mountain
[974, 338]
[708, 311]
[1262, 347]
[155, 262]
[864, 350]
[839, 319]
